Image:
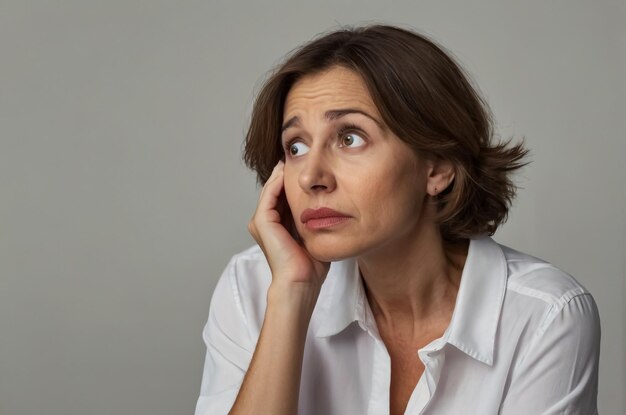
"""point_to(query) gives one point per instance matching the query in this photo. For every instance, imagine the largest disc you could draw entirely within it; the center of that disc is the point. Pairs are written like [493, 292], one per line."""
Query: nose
[317, 173]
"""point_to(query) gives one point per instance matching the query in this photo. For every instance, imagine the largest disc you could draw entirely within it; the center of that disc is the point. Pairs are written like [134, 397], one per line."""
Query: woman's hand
[289, 261]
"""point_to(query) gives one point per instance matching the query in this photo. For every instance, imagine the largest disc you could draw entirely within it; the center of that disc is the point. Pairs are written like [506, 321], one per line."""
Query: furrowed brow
[331, 115]
[336, 114]
[292, 122]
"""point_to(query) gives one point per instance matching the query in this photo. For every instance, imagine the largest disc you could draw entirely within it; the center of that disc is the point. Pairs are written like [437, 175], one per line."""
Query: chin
[330, 251]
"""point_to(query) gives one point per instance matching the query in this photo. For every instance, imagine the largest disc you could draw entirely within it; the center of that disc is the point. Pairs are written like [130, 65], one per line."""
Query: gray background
[123, 195]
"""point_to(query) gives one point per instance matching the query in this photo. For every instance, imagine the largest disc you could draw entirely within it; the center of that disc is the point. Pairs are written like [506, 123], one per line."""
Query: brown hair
[424, 98]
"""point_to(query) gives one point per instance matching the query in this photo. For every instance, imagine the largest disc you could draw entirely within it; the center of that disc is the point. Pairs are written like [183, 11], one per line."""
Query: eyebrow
[331, 115]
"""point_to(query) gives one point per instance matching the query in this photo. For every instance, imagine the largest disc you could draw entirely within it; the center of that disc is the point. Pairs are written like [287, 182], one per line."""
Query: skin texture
[376, 179]
[364, 171]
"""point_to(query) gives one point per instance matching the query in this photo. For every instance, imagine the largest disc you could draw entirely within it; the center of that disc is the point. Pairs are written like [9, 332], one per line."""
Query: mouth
[322, 218]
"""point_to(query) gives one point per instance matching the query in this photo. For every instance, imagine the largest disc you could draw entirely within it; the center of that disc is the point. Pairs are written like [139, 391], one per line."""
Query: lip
[322, 218]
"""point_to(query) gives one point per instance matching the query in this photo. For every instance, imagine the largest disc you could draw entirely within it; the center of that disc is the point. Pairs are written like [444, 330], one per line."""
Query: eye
[351, 140]
[297, 149]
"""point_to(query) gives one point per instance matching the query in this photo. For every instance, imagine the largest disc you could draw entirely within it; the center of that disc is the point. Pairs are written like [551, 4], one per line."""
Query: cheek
[393, 195]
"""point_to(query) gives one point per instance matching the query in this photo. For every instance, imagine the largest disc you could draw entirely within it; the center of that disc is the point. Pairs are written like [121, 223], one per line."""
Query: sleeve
[229, 347]
[559, 374]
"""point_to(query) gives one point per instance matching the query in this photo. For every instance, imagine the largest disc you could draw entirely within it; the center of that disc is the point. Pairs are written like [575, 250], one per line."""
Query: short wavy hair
[424, 98]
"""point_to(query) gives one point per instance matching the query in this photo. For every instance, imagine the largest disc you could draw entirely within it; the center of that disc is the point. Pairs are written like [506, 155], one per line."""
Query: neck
[415, 279]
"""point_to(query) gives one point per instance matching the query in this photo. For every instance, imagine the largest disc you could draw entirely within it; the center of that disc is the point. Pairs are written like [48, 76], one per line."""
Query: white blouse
[524, 339]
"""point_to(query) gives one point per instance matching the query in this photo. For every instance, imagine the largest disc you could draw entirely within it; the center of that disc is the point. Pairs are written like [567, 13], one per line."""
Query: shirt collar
[476, 313]
[345, 302]
[479, 301]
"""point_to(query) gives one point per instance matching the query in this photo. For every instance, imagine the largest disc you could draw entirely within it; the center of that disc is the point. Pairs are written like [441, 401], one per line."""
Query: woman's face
[339, 155]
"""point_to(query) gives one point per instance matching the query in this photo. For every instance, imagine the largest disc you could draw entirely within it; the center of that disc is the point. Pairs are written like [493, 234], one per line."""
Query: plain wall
[122, 193]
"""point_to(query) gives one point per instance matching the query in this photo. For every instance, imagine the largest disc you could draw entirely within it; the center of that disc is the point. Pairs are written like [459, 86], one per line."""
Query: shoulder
[548, 340]
[534, 277]
[247, 268]
[538, 288]
[243, 286]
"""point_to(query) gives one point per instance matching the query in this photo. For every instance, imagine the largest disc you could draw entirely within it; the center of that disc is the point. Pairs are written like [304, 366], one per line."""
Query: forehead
[335, 88]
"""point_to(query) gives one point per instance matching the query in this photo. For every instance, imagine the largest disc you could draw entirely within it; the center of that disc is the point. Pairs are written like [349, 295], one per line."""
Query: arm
[271, 375]
[559, 374]
[273, 380]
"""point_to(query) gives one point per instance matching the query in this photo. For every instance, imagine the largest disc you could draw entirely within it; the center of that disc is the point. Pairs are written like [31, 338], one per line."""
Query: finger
[276, 172]
[271, 192]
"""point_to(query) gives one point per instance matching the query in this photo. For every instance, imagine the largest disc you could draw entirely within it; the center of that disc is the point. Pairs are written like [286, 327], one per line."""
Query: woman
[375, 287]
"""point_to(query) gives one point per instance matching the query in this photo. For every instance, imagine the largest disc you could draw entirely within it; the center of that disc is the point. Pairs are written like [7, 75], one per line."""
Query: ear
[440, 175]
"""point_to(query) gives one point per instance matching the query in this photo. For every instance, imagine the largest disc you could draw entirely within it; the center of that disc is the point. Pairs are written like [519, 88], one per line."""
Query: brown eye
[351, 140]
[298, 149]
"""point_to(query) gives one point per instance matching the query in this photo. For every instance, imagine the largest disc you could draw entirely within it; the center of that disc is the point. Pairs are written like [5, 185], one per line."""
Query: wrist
[297, 298]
